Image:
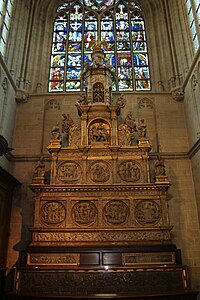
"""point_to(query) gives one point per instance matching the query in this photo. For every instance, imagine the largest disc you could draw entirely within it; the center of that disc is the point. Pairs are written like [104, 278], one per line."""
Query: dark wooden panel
[112, 258]
[89, 258]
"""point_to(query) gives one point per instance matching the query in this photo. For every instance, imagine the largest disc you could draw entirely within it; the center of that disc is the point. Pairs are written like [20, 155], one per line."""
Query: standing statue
[55, 132]
[130, 123]
[67, 122]
[160, 168]
[39, 168]
[121, 101]
[142, 127]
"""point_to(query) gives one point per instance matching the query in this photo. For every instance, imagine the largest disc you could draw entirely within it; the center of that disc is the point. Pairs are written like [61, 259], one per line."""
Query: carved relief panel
[99, 172]
[148, 212]
[99, 132]
[84, 213]
[116, 212]
[52, 214]
[130, 171]
[69, 172]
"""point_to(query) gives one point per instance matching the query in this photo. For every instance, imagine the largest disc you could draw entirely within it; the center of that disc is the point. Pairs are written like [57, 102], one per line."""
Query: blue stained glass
[138, 35]
[142, 73]
[59, 48]
[90, 25]
[73, 73]
[125, 43]
[111, 59]
[74, 60]
[73, 85]
[107, 36]
[122, 25]
[121, 46]
[59, 36]
[124, 60]
[74, 47]
[58, 26]
[139, 46]
[88, 58]
[108, 46]
[57, 60]
[137, 25]
[75, 36]
[140, 59]
[122, 36]
[107, 25]
[76, 26]
[143, 85]
[125, 85]
[124, 73]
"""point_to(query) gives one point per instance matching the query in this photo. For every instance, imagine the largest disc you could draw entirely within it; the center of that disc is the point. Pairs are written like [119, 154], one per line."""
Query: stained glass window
[193, 9]
[121, 28]
[6, 8]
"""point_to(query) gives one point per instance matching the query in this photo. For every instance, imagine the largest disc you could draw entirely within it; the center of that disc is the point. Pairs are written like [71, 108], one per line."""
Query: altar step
[186, 295]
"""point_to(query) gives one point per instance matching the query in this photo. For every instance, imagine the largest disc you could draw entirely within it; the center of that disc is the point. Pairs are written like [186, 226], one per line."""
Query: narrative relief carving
[52, 213]
[147, 212]
[129, 171]
[116, 212]
[84, 213]
[69, 172]
[100, 172]
[99, 132]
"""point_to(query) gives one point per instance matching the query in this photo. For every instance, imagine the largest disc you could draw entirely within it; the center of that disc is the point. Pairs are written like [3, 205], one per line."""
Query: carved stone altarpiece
[101, 212]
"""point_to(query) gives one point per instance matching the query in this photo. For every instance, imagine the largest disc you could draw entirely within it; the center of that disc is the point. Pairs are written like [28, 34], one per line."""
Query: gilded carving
[99, 172]
[69, 172]
[116, 212]
[84, 213]
[99, 132]
[52, 213]
[98, 92]
[53, 259]
[147, 212]
[129, 171]
[75, 135]
[124, 135]
[104, 236]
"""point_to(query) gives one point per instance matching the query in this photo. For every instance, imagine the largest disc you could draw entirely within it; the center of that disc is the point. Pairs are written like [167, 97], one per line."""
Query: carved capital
[21, 96]
[178, 94]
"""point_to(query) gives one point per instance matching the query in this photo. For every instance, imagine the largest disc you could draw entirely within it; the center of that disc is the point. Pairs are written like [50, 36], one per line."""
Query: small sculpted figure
[142, 127]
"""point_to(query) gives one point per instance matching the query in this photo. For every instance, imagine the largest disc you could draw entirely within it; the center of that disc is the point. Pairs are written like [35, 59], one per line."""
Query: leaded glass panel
[121, 28]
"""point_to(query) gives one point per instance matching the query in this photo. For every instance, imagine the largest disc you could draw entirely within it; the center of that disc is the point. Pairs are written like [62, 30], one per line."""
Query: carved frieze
[116, 212]
[129, 171]
[99, 172]
[52, 213]
[104, 236]
[69, 172]
[71, 259]
[147, 212]
[84, 213]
